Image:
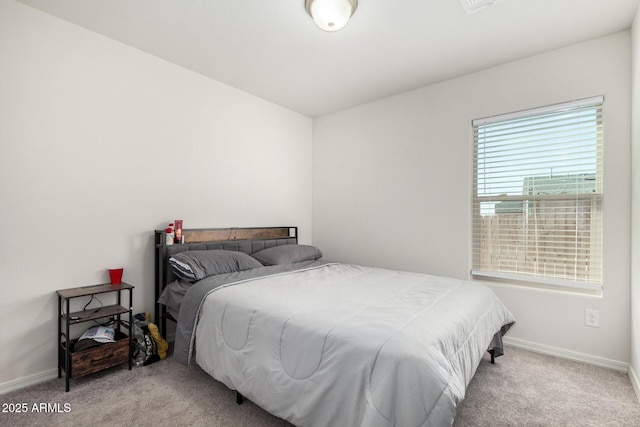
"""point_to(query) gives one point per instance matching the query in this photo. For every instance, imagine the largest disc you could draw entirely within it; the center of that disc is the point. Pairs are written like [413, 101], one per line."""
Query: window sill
[586, 289]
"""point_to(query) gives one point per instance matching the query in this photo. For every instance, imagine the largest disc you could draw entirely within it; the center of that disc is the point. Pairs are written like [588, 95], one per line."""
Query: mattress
[326, 344]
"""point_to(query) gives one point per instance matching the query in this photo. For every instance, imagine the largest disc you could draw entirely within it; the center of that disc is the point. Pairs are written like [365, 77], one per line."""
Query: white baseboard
[568, 354]
[635, 382]
[28, 381]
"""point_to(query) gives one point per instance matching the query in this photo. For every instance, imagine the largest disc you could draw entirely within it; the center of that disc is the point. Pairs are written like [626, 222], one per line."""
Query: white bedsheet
[343, 345]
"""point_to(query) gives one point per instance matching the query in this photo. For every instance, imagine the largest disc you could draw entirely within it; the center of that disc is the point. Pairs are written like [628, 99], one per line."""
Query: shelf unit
[78, 363]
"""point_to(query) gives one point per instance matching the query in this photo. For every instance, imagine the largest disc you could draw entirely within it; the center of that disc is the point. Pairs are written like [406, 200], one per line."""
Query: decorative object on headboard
[178, 232]
[242, 239]
[169, 234]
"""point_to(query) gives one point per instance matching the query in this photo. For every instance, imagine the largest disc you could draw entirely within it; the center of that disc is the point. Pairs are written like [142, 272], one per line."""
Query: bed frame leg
[239, 398]
[493, 357]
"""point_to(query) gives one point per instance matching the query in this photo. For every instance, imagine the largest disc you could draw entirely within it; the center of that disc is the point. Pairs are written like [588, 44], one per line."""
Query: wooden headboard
[243, 239]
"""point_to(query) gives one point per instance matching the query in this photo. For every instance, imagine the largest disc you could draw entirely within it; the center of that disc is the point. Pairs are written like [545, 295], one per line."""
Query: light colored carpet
[530, 389]
[521, 389]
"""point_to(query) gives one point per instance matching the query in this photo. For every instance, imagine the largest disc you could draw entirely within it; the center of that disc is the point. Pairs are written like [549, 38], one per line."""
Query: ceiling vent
[471, 6]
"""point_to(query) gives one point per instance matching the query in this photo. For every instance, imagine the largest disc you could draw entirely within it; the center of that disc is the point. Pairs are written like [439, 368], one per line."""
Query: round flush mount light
[331, 15]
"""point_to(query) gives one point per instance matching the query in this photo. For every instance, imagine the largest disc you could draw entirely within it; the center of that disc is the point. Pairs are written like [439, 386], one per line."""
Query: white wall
[634, 370]
[392, 186]
[100, 144]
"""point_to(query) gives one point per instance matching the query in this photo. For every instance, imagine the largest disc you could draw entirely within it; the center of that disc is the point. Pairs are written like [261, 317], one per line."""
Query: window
[537, 195]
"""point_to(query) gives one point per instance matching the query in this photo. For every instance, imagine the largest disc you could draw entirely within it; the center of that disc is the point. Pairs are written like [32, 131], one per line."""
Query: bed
[320, 343]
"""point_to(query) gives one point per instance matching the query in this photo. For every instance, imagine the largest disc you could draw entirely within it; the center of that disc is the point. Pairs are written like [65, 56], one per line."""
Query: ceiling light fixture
[331, 15]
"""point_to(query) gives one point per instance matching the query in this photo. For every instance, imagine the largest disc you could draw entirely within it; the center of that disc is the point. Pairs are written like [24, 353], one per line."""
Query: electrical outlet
[592, 318]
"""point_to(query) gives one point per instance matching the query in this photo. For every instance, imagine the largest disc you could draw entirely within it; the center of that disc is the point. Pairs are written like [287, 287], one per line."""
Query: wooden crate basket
[94, 359]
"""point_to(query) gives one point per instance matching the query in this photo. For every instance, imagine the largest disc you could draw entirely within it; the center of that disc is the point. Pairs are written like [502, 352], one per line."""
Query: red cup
[115, 274]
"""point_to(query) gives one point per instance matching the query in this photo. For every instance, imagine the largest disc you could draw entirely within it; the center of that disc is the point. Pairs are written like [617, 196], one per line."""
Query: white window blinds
[537, 199]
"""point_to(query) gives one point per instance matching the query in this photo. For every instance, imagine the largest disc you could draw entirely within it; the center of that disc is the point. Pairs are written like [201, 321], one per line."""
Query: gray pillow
[196, 265]
[287, 254]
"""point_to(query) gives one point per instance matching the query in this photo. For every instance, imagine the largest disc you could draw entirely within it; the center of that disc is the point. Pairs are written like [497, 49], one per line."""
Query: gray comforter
[323, 344]
[193, 299]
